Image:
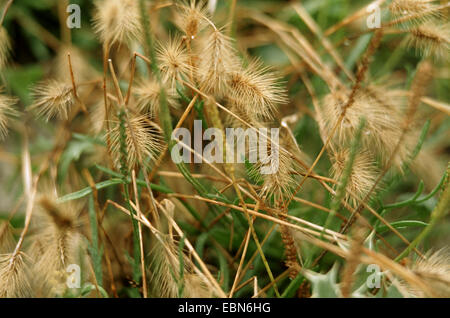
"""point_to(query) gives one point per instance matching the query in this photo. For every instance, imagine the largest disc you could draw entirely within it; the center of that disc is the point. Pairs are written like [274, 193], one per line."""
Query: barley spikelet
[173, 61]
[216, 63]
[143, 140]
[256, 90]
[6, 112]
[190, 18]
[431, 39]
[5, 47]
[148, 92]
[52, 98]
[117, 21]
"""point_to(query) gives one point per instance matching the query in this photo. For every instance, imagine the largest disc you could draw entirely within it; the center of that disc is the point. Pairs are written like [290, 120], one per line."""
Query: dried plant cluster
[94, 186]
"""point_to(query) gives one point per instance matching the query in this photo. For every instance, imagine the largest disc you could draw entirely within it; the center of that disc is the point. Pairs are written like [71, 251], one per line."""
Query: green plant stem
[441, 209]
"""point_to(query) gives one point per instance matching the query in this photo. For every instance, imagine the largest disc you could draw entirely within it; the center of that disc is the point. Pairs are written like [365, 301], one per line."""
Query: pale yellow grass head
[52, 99]
[117, 21]
[7, 111]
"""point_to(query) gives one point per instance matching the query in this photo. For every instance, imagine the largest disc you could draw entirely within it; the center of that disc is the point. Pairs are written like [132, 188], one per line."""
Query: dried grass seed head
[167, 271]
[14, 276]
[6, 237]
[97, 116]
[5, 46]
[143, 140]
[431, 39]
[52, 99]
[191, 17]
[6, 112]
[57, 242]
[423, 10]
[165, 277]
[148, 94]
[384, 115]
[362, 176]
[256, 90]
[117, 21]
[82, 70]
[434, 270]
[216, 63]
[284, 168]
[173, 61]
[232, 121]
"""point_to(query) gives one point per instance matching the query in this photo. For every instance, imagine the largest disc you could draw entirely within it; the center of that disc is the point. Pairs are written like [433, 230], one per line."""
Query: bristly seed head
[143, 140]
[174, 61]
[52, 98]
[148, 93]
[282, 180]
[256, 90]
[117, 21]
[57, 242]
[191, 18]
[6, 111]
[216, 63]
[434, 270]
[14, 276]
[431, 40]
[424, 10]
[362, 176]
[384, 116]
[6, 238]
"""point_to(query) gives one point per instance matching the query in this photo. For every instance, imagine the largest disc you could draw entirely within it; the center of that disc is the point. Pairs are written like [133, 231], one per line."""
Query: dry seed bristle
[384, 117]
[117, 21]
[174, 61]
[282, 179]
[167, 269]
[148, 93]
[434, 270]
[14, 279]
[52, 98]
[422, 9]
[57, 243]
[82, 70]
[165, 278]
[431, 40]
[256, 90]
[218, 60]
[143, 140]
[362, 176]
[6, 238]
[190, 19]
[98, 117]
[6, 112]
